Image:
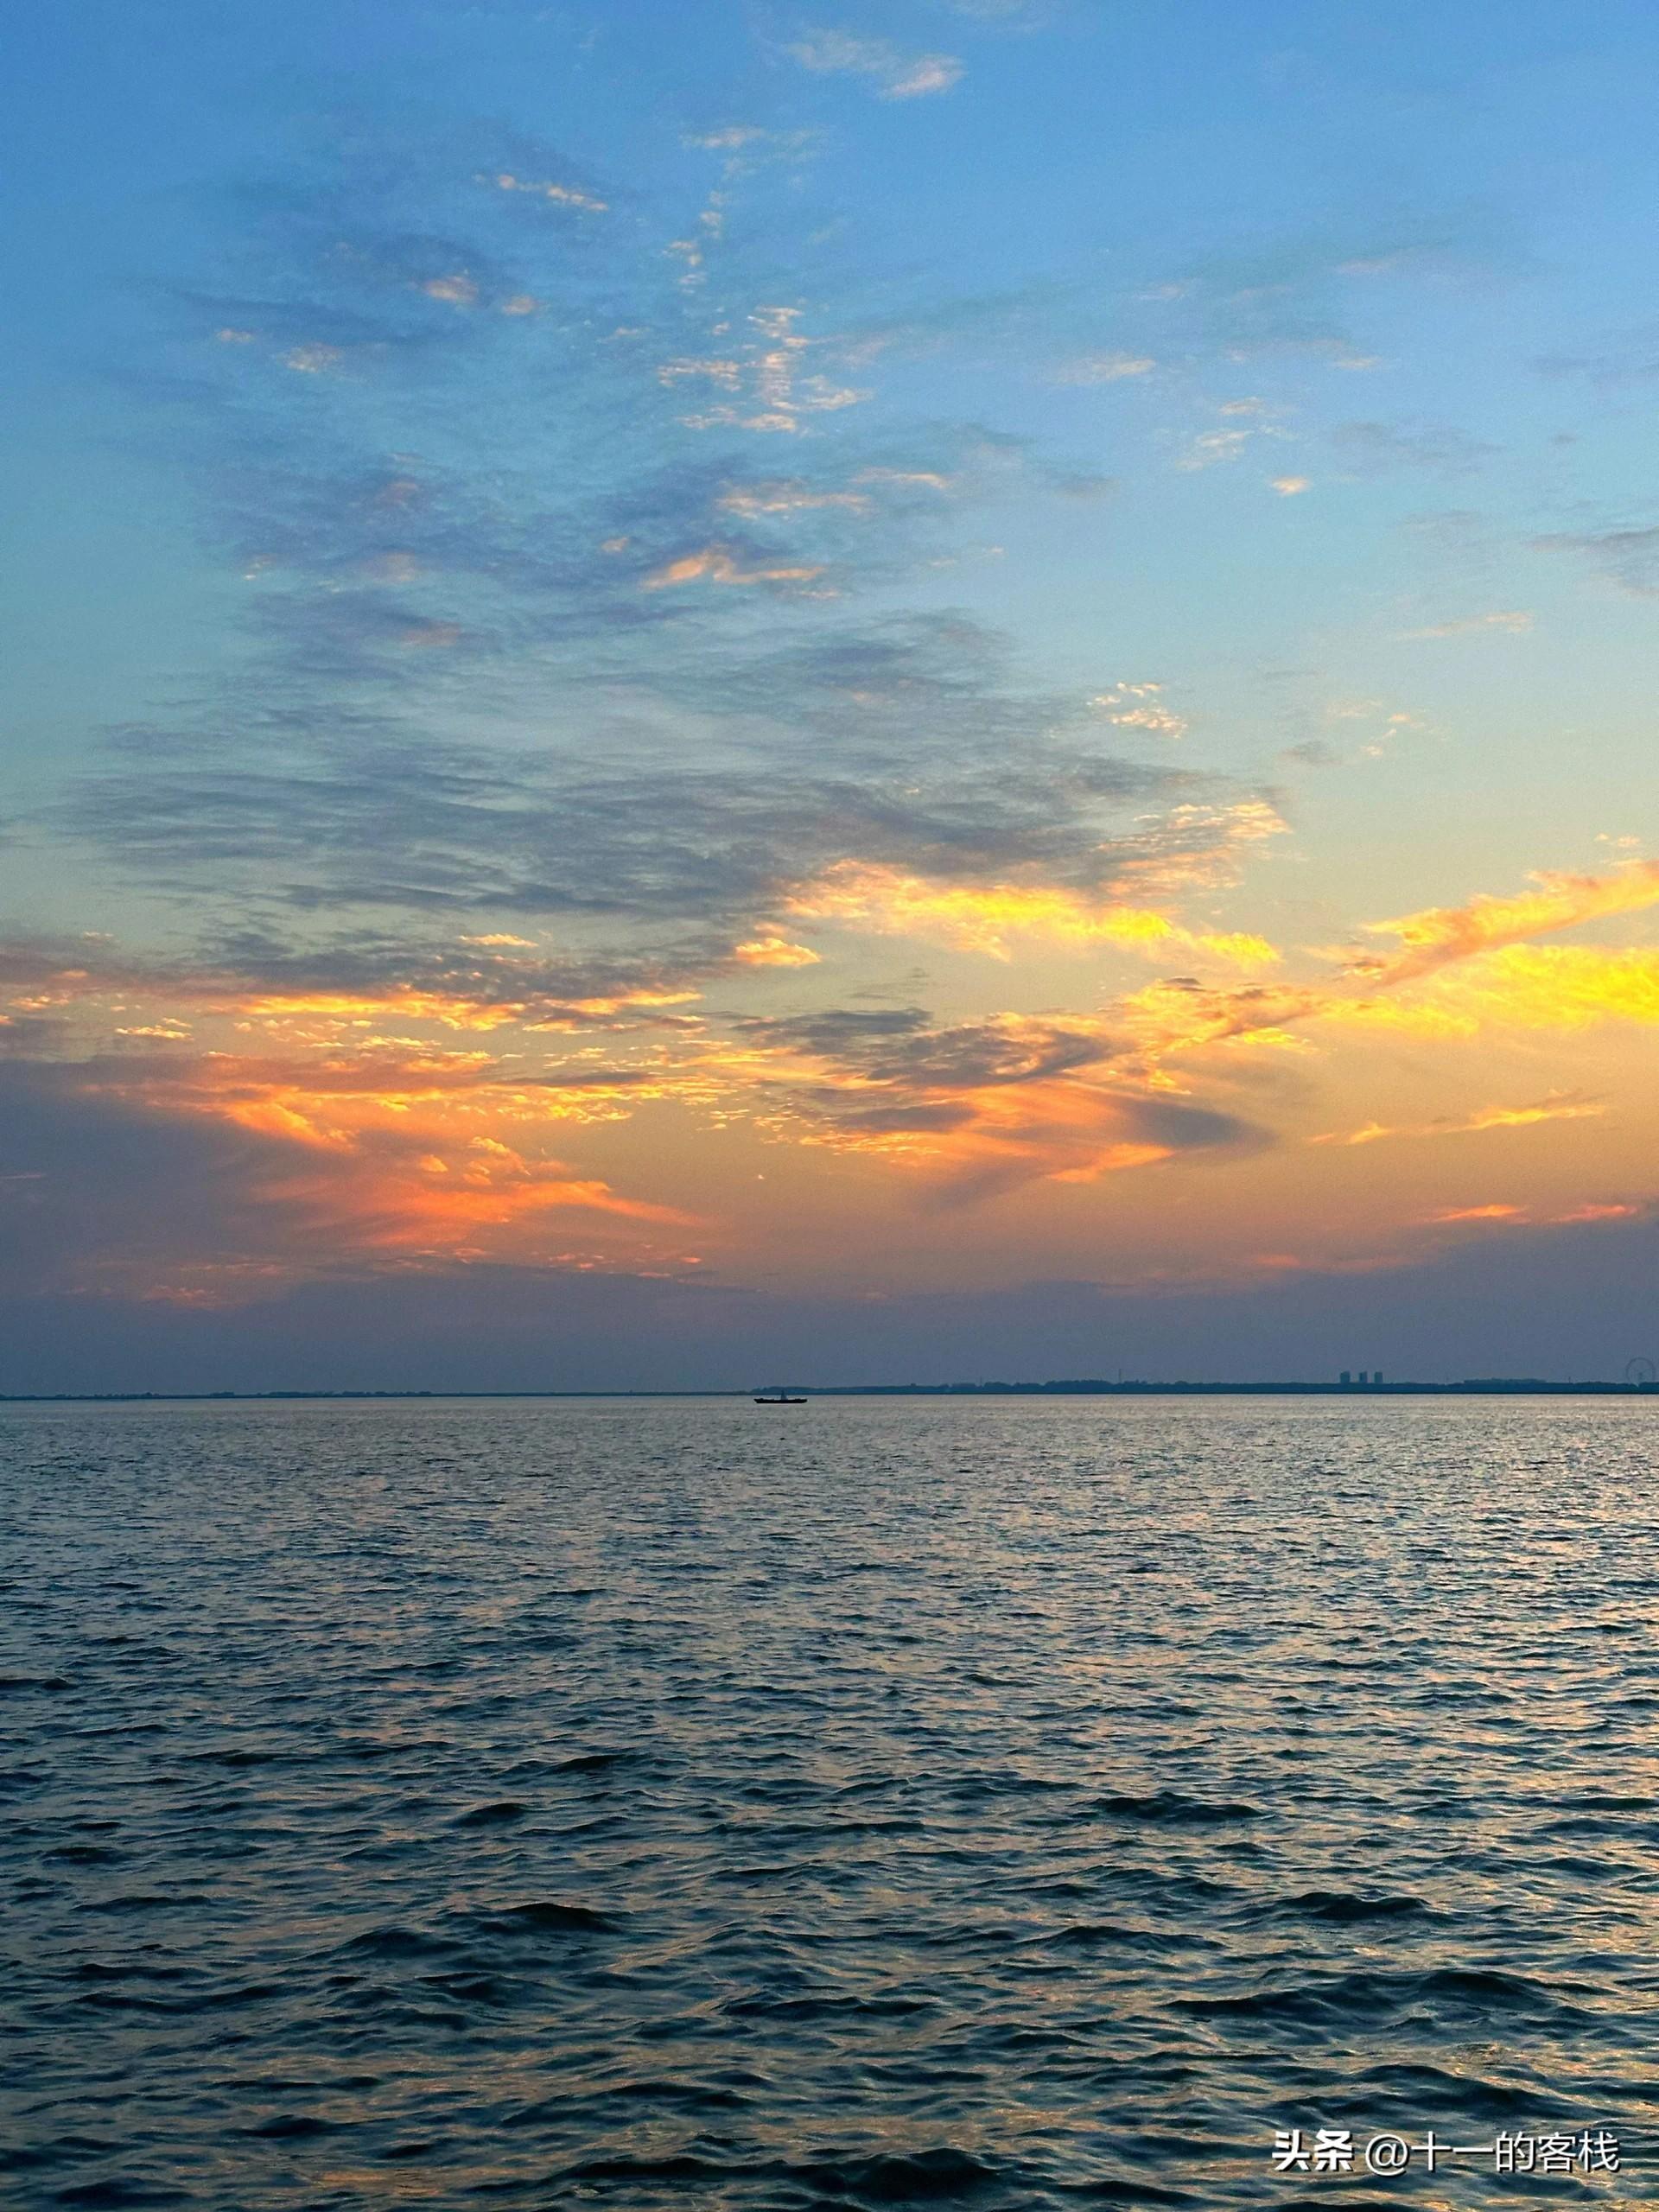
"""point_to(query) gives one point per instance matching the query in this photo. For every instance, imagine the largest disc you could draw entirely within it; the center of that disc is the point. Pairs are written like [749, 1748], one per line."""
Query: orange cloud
[391, 1151]
[1489, 1117]
[716, 564]
[981, 1108]
[1441, 934]
[1169, 1018]
[420, 1115]
[1061, 1128]
[488, 1186]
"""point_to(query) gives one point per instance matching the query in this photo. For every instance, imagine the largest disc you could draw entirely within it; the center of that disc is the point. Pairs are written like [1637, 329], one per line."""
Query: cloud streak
[1553, 1108]
[891, 73]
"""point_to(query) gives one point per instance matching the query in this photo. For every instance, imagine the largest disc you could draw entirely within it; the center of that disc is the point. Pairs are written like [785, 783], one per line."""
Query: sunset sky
[942, 689]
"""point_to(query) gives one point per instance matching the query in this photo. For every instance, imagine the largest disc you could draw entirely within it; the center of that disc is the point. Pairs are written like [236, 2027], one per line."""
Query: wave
[548, 1916]
[1170, 1809]
[1344, 1907]
[1370, 1996]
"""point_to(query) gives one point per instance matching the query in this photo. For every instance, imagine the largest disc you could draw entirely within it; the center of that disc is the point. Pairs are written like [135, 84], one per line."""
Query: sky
[946, 689]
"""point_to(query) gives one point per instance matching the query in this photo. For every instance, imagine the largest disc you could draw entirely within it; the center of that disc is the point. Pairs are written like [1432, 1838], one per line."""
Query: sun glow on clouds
[774, 952]
[1012, 1100]
[1503, 1215]
[1488, 1117]
[1441, 934]
[994, 919]
[453, 1010]
[418, 1145]
[1566, 987]
[620, 781]
[1463, 969]
[385, 1143]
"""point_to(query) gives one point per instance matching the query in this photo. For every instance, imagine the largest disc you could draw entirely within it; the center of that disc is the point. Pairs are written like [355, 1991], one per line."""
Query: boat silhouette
[777, 1398]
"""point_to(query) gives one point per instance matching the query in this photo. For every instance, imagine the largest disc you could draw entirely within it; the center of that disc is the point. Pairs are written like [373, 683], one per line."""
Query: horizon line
[1469, 1386]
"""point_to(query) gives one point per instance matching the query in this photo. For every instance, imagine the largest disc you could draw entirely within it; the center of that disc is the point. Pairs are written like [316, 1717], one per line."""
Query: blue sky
[670, 607]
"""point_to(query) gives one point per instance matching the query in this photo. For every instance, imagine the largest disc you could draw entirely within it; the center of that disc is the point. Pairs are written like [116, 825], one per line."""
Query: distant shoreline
[1474, 1387]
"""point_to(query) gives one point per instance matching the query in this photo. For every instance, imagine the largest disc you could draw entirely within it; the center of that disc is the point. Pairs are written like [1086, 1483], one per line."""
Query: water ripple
[637, 1806]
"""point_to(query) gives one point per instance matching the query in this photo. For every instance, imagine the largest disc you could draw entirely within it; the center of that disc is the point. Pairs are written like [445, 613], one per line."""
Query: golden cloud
[1553, 1108]
[990, 918]
[1441, 934]
[774, 952]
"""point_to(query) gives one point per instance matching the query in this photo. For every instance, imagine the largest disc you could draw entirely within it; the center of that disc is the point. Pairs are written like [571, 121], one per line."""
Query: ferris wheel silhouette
[1640, 1374]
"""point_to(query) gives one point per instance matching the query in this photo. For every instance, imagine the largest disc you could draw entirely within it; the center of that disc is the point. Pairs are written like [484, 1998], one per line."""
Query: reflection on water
[633, 1804]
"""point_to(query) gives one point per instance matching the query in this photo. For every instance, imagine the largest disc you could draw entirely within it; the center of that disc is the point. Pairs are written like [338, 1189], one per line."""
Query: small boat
[777, 1398]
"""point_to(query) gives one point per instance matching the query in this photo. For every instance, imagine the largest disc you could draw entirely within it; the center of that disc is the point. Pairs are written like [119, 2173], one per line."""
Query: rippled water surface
[648, 1804]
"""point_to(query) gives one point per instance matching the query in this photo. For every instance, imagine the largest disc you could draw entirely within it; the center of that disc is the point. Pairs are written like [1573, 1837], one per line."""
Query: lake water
[652, 1805]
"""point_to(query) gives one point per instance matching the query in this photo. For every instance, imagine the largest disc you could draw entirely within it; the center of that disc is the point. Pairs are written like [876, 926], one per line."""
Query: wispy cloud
[1629, 558]
[557, 195]
[752, 500]
[1242, 421]
[1556, 901]
[1139, 706]
[1308, 296]
[1105, 368]
[1434, 449]
[717, 564]
[1211, 447]
[1556, 1108]
[1513, 622]
[767, 376]
[894, 74]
